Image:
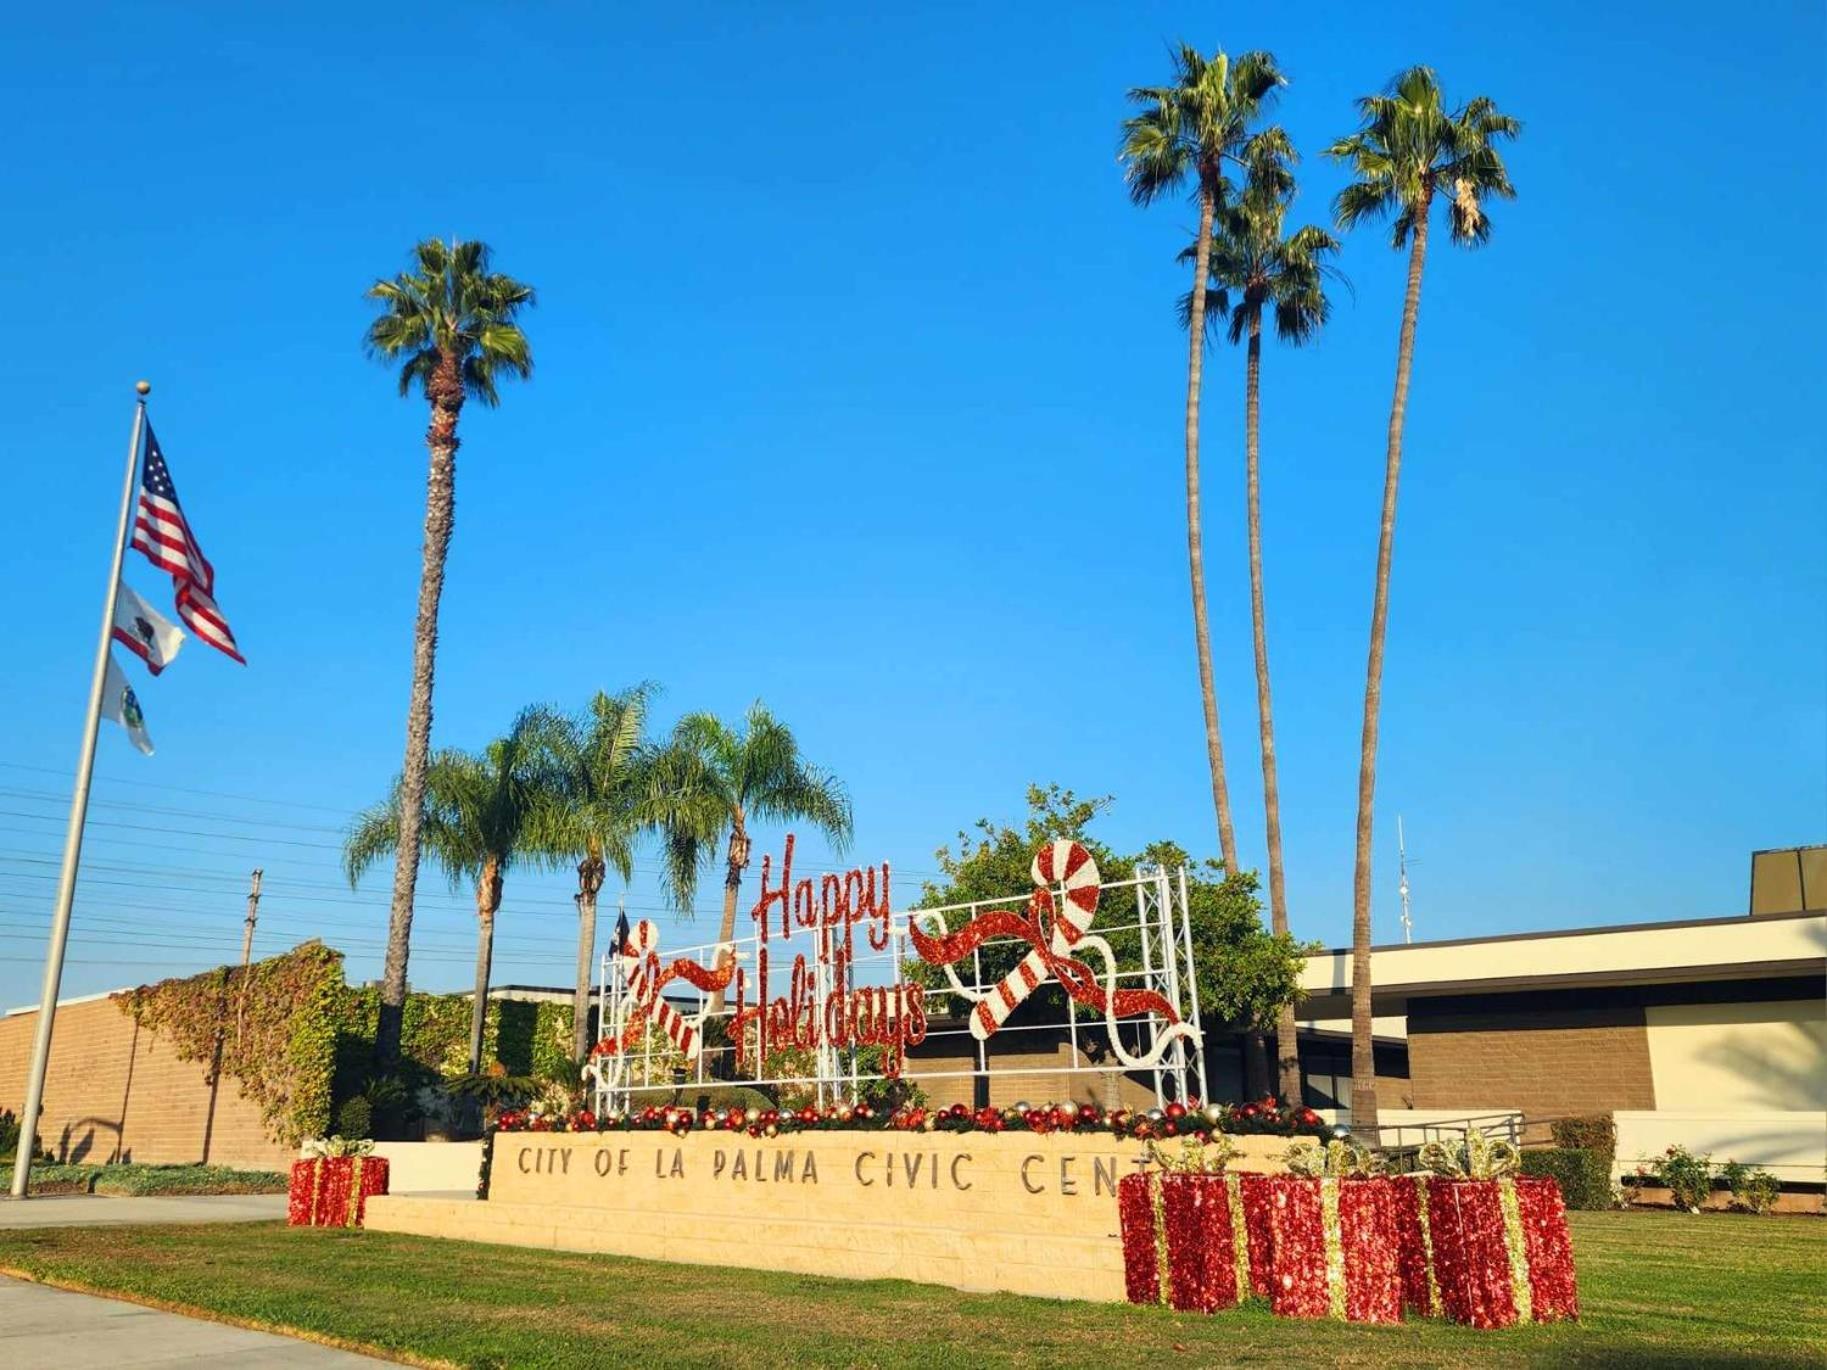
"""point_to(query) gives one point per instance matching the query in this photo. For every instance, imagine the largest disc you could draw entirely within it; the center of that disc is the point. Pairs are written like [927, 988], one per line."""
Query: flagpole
[79, 811]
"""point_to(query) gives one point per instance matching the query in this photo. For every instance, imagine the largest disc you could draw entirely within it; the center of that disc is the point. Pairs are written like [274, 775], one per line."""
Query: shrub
[1689, 1178]
[9, 1138]
[1595, 1133]
[1584, 1175]
[1753, 1190]
[131, 1180]
[355, 1117]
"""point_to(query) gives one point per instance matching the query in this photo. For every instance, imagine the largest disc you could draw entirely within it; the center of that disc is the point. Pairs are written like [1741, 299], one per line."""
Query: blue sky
[859, 391]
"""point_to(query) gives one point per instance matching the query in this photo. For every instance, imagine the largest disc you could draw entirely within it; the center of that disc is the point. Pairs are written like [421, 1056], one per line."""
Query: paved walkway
[51, 1327]
[92, 1210]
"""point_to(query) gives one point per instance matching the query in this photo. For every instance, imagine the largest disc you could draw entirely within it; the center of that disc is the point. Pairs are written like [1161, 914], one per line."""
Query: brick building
[1711, 1032]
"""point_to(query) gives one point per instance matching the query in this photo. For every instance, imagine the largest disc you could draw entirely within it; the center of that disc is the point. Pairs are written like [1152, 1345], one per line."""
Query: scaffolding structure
[1142, 939]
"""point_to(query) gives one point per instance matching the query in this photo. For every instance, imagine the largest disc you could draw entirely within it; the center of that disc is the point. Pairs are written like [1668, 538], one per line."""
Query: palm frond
[451, 305]
[1410, 149]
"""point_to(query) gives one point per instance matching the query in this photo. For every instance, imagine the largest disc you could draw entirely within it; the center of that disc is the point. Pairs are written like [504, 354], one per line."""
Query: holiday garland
[1188, 1122]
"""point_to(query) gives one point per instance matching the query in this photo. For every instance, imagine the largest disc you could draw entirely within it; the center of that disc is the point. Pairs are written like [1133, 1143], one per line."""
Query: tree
[596, 762]
[715, 780]
[1186, 132]
[1245, 973]
[449, 323]
[1257, 268]
[481, 814]
[616, 787]
[1408, 151]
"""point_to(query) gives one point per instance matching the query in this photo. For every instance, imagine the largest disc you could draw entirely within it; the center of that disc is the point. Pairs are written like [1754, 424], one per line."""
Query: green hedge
[129, 1181]
[1584, 1175]
[1596, 1132]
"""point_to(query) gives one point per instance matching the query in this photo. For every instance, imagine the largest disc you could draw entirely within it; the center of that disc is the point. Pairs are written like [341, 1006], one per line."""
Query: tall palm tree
[481, 814]
[716, 780]
[1256, 268]
[1186, 132]
[450, 325]
[600, 761]
[1408, 152]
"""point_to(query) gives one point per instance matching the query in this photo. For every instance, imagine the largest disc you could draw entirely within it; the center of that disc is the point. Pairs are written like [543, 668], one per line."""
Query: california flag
[123, 706]
[140, 628]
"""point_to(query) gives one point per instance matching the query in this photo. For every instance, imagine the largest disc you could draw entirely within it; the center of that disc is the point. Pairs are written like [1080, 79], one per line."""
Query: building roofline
[1605, 929]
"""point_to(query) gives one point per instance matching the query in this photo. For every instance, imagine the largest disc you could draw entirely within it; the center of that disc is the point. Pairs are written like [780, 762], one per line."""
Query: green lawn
[1656, 1289]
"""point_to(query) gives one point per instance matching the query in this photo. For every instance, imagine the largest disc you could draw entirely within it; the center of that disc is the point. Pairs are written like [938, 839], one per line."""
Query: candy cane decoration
[1074, 869]
[640, 967]
[1055, 953]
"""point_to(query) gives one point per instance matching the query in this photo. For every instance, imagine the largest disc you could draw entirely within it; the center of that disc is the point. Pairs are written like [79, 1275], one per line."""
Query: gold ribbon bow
[1479, 1157]
[333, 1148]
[1195, 1157]
[1337, 1160]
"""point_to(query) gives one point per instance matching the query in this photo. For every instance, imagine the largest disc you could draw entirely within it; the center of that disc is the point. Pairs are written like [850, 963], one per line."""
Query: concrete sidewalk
[92, 1210]
[51, 1327]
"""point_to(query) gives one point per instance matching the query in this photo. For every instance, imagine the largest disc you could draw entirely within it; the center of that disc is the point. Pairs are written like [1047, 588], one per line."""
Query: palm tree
[1256, 268]
[449, 323]
[1408, 151]
[481, 814]
[716, 779]
[600, 762]
[1187, 132]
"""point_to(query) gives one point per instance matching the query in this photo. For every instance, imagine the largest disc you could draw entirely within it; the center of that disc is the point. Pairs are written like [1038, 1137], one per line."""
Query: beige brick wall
[115, 1092]
[1549, 1064]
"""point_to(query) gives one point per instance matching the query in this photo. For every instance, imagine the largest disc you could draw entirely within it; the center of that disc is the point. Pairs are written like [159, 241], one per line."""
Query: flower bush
[1689, 1178]
[1754, 1190]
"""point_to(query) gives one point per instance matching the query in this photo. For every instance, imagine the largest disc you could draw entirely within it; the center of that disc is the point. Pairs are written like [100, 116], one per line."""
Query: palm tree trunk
[488, 902]
[1287, 1049]
[446, 390]
[732, 891]
[1363, 1055]
[1195, 544]
[589, 881]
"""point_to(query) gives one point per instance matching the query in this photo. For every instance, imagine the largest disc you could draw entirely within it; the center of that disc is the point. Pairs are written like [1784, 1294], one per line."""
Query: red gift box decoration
[1501, 1250]
[1252, 1237]
[1334, 1249]
[1414, 1245]
[333, 1191]
[1177, 1245]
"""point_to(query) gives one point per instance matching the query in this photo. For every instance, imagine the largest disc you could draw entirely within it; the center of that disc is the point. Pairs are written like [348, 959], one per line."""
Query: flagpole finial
[144, 387]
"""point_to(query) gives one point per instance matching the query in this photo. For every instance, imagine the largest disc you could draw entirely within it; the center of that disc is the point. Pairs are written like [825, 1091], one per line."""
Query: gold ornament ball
[1214, 1114]
[144, 387]
[753, 1115]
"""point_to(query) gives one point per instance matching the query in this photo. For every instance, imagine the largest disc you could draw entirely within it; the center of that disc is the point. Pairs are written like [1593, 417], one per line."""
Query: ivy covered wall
[299, 1042]
[270, 1027]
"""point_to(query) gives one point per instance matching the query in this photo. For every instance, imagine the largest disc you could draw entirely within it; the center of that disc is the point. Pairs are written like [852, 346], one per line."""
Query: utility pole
[253, 916]
[1408, 926]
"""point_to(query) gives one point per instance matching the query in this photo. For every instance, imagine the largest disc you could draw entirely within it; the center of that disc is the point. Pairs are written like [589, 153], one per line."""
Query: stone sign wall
[1022, 1212]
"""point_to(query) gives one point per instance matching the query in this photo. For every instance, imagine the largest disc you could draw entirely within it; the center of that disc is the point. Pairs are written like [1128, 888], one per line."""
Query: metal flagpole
[79, 810]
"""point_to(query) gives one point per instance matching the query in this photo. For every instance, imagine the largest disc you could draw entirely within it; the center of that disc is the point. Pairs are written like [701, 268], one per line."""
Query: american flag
[161, 531]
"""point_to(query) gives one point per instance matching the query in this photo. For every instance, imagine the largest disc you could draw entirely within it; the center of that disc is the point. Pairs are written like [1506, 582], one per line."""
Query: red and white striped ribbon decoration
[1070, 866]
[641, 969]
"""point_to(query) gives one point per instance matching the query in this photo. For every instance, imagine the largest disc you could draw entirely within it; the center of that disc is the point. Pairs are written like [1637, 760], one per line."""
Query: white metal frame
[1153, 903]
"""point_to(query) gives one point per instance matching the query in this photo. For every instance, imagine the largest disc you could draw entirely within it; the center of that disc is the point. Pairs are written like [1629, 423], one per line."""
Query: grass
[1656, 1290]
[134, 1181]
